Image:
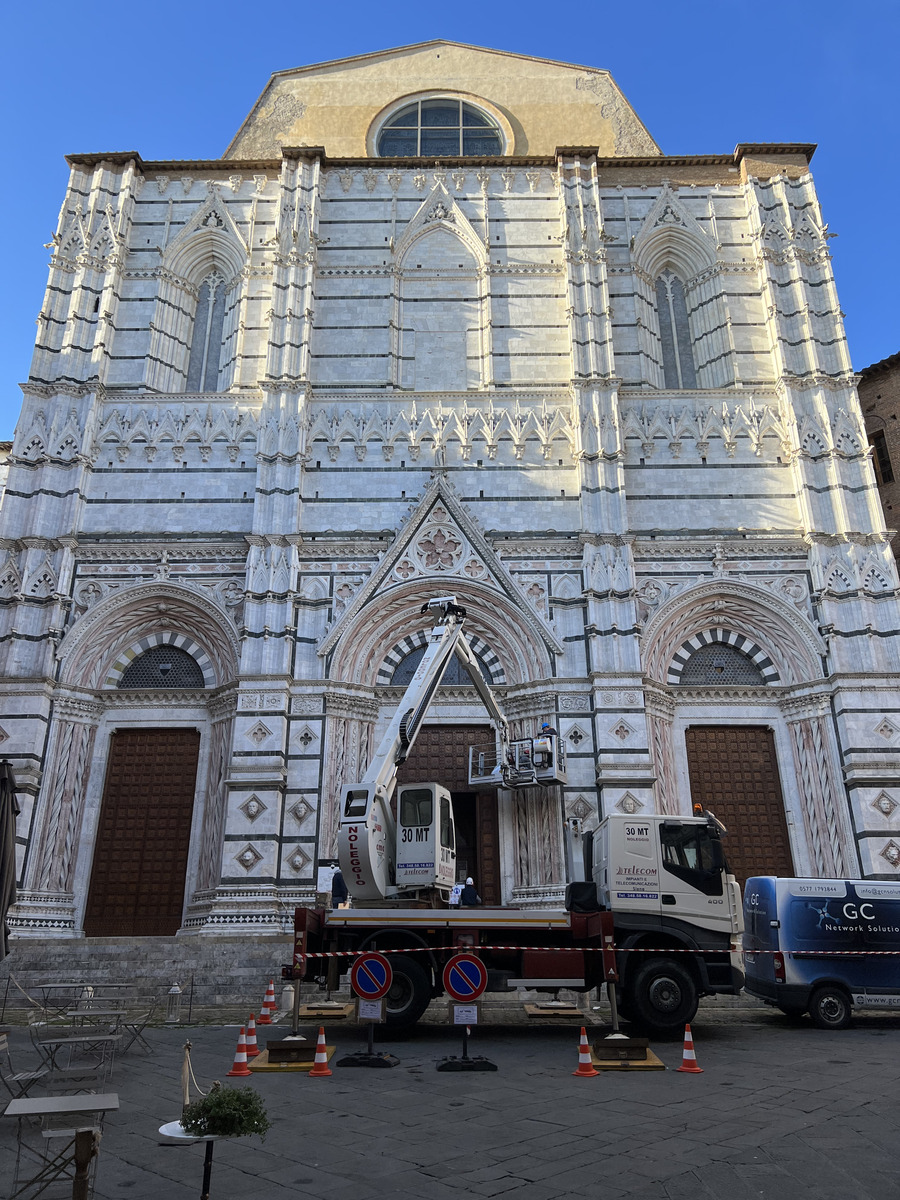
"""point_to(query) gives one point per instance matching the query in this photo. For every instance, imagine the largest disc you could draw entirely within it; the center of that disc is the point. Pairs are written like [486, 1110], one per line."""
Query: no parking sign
[465, 977]
[371, 976]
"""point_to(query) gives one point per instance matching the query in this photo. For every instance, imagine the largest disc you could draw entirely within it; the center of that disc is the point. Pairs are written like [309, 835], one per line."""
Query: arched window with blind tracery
[675, 332]
[206, 339]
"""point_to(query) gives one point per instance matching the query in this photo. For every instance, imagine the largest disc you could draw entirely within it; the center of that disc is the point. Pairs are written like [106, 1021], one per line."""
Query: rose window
[439, 551]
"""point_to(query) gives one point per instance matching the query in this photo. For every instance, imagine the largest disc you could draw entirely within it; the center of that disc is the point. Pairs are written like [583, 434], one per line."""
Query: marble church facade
[281, 398]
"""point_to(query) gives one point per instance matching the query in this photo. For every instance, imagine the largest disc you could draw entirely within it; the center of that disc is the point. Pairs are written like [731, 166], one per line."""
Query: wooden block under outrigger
[330, 1012]
[625, 1053]
[555, 1011]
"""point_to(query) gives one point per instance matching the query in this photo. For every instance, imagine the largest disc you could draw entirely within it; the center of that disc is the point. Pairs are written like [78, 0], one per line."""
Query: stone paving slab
[781, 1112]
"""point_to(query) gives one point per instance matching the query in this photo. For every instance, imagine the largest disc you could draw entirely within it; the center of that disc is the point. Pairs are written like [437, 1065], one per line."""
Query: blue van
[809, 943]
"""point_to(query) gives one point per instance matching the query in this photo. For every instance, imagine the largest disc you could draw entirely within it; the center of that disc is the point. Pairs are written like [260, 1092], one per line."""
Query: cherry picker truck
[657, 888]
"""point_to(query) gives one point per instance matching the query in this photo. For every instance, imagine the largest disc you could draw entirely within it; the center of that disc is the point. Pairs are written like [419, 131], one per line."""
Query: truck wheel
[830, 1008]
[410, 992]
[663, 996]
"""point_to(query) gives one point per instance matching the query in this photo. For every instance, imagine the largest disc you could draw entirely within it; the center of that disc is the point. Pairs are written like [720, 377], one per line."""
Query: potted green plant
[224, 1112]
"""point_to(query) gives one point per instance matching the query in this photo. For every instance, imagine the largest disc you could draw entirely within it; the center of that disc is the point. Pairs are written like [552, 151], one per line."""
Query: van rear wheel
[830, 1008]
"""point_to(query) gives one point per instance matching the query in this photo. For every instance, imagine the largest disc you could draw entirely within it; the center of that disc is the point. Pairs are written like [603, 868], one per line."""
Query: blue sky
[175, 80]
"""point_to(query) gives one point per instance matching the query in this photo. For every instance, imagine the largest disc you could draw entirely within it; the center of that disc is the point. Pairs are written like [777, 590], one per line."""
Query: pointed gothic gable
[440, 211]
[337, 104]
[210, 239]
[671, 237]
[441, 541]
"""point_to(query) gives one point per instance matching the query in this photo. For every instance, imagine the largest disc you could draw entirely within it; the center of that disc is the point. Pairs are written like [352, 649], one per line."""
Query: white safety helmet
[470, 882]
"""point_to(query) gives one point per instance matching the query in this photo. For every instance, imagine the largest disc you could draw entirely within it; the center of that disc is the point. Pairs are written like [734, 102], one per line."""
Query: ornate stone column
[350, 724]
[47, 901]
[216, 799]
[660, 714]
[818, 778]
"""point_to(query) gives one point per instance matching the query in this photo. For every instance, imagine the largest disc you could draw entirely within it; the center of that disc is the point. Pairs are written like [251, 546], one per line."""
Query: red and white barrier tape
[598, 950]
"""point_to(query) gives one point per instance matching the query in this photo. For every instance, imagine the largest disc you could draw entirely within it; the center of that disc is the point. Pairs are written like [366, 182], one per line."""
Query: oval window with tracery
[439, 128]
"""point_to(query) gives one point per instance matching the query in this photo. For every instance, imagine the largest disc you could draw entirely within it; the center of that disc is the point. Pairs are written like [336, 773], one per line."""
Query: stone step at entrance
[218, 973]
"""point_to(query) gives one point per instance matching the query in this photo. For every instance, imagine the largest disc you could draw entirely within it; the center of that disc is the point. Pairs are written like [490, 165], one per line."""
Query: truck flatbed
[449, 918]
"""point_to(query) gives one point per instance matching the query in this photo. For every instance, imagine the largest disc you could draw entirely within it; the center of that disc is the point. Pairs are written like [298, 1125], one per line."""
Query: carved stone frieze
[153, 697]
[333, 550]
[618, 698]
[154, 426]
[727, 696]
[806, 704]
[263, 701]
[553, 546]
[360, 708]
[78, 708]
[443, 425]
[781, 554]
[223, 705]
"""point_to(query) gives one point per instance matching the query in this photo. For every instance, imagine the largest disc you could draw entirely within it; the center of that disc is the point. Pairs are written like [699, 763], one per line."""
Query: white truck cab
[667, 867]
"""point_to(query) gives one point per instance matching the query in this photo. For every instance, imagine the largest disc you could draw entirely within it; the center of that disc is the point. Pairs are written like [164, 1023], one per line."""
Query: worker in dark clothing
[543, 747]
[468, 896]
[339, 892]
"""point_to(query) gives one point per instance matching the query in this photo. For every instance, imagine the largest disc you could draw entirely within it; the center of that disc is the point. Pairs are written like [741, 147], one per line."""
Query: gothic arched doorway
[141, 849]
[733, 772]
[440, 754]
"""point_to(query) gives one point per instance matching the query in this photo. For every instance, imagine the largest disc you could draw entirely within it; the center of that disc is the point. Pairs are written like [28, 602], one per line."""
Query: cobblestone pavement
[781, 1112]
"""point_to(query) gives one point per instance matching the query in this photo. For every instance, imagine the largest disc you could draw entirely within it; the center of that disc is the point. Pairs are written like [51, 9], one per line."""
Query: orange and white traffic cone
[240, 1056]
[320, 1067]
[585, 1066]
[689, 1058]
[268, 1005]
[252, 1046]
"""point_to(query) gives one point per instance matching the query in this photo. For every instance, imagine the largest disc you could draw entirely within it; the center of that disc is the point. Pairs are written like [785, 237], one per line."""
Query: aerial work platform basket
[527, 762]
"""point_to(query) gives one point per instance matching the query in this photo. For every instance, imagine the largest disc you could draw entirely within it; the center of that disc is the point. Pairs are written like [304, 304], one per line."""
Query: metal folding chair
[44, 1037]
[73, 1081]
[17, 1083]
[132, 1027]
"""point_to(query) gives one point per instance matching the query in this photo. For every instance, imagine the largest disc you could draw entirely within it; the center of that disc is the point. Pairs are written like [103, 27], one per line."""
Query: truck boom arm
[446, 639]
[367, 837]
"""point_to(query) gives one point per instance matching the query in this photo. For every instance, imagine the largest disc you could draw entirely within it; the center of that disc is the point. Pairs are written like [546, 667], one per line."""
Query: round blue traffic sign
[371, 976]
[465, 977]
